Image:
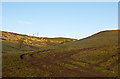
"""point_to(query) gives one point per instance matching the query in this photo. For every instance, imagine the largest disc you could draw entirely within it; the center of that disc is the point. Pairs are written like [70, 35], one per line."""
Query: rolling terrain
[27, 56]
[18, 42]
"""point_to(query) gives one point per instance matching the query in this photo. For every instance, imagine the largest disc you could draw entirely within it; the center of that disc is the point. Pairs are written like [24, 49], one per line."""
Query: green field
[29, 56]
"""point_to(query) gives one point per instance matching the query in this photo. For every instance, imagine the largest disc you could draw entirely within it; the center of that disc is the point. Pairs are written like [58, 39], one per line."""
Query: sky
[59, 19]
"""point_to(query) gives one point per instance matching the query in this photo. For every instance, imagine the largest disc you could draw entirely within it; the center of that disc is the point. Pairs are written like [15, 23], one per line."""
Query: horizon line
[62, 37]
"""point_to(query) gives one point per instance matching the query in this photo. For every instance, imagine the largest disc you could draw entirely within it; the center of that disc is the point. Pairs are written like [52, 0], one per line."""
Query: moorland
[30, 56]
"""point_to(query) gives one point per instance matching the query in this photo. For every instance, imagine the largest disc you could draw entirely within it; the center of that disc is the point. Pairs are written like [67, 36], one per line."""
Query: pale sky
[59, 19]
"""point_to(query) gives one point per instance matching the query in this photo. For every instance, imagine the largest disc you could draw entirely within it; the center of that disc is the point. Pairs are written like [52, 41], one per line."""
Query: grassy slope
[92, 56]
[12, 41]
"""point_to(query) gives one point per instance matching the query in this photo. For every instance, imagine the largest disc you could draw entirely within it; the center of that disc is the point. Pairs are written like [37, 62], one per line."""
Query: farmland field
[28, 56]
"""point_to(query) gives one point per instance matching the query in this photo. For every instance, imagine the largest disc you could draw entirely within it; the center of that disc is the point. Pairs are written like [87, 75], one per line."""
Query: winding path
[60, 57]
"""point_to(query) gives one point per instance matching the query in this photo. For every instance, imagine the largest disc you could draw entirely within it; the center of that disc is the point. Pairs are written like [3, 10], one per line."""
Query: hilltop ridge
[14, 41]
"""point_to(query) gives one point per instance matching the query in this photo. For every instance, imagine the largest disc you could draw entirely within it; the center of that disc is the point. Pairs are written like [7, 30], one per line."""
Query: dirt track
[22, 56]
[66, 71]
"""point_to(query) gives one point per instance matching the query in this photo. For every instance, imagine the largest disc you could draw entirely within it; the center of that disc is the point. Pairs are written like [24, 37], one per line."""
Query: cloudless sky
[59, 19]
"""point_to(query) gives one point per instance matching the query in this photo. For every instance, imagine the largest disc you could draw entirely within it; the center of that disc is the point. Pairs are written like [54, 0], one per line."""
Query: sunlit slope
[16, 42]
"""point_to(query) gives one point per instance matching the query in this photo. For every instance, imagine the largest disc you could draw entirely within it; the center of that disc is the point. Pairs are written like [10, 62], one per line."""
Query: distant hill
[13, 41]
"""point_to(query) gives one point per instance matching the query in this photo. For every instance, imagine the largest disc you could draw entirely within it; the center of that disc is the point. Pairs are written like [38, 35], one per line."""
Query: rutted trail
[61, 57]
[22, 56]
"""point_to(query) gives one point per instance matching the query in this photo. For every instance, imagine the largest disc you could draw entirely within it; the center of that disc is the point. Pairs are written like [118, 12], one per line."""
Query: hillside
[103, 38]
[17, 42]
[94, 56]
